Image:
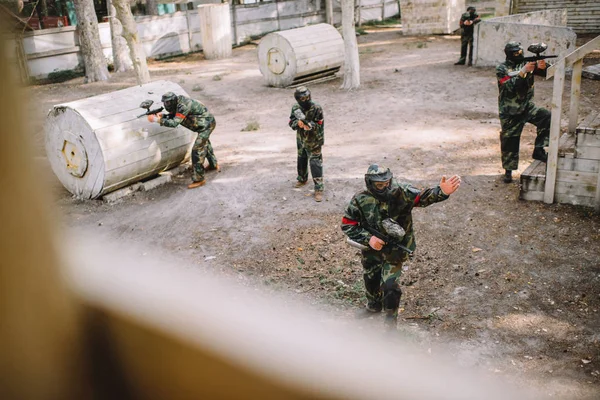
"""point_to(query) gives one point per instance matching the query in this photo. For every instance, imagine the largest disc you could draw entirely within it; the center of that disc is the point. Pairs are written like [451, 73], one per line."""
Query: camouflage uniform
[382, 269]
[466, 36]
[516, 109]
[195, 116]
[309, 143]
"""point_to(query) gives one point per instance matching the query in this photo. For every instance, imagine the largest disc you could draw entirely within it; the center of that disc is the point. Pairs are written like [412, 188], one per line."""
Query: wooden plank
[578, 164]
[588, 139]
[532, 196]
[566, 144]
[588, 153]
[584, 178]
[529, 184]
[591, 122]
[575, 189]
[575, 93]
[559, 81]
[575, 200]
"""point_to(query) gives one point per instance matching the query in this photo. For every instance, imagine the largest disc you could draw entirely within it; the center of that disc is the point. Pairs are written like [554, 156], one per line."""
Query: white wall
[492, 35]
[428, 17]
[57, 49]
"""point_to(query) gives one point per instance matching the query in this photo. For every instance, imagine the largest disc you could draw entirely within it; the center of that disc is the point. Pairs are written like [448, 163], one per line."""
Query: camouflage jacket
[514, 92]
[190, 113]
[365, 209]
[314, 137]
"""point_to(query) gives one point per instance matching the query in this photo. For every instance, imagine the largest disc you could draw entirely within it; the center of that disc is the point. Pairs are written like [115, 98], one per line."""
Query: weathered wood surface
[583, 15]
[215, 26]
[97, 144]
[288, 56]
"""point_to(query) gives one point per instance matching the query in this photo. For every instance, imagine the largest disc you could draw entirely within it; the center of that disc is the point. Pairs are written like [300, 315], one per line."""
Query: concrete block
[591, 72]
[156, 182]
[492, 35]
[119, 194]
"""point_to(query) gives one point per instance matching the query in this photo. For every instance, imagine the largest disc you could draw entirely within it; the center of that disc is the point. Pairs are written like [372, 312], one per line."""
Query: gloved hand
[154, 118]
[376, 243]
[449, 186]
[541, 64]
[528, 67]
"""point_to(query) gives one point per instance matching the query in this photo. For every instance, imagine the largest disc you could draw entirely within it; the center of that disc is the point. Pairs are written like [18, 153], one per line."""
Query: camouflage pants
[381, 275]
[466, 42]
[512, 126]
[313, 157]
[203, 150]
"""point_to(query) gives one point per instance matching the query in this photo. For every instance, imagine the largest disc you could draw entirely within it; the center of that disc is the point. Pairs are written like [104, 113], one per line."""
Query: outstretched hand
[449, 186]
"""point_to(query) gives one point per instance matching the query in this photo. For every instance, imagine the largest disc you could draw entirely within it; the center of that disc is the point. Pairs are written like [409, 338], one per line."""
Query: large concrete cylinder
[215, 27]
[97, 144]
[300, 55]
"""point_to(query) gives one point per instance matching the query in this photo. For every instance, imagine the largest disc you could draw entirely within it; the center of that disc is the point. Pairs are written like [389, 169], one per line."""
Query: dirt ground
[511, 286]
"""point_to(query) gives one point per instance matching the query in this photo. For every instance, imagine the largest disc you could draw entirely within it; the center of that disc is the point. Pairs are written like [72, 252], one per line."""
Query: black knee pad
[391, 295]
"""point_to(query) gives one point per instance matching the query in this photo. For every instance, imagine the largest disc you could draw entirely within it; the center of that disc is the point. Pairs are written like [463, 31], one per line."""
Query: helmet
[471, 9]
[170, 99]
[511, 49]
[302, 96]
[376, 173]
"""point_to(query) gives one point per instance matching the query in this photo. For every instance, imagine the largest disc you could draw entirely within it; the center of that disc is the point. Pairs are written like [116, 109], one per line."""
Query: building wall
[492, 35]
[583, 15]
[428, 17]
[166, 35]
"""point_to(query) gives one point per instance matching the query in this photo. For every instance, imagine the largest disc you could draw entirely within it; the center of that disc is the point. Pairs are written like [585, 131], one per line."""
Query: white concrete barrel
[300, 55]
[215, 27]
[97, 144]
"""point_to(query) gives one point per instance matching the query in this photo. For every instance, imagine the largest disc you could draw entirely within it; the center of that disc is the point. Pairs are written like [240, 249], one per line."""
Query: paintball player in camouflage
[386, 205]
[467, 26]
[306, 119]
[516, 108]
[193, 115]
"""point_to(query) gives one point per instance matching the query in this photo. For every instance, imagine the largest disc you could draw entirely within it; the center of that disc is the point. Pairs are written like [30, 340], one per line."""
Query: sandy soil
[511, 286]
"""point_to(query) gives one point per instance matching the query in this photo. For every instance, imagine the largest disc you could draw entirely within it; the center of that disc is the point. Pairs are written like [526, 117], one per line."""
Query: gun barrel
[356, 244]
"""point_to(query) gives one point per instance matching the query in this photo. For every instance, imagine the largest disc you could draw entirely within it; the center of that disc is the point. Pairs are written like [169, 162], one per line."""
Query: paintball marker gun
[300, 116]
[393, 238]
[147, 104]
[537, 48]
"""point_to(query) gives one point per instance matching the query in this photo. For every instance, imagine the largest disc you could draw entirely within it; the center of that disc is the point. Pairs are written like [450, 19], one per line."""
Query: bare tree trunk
[136, 51]
[121, 60]
[152, 7]
[89, 41]
[329, 12]
[351, 61]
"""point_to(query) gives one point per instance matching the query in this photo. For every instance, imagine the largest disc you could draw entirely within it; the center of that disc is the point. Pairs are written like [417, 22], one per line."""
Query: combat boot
[194, 185]
[215, 168]
[540, 154]
[374, 306]
[508, 176]
[299, 184]
[319, 196]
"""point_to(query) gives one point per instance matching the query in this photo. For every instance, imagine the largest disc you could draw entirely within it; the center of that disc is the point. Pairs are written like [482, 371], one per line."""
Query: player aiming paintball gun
[537, 48]
[147, 104]
[393, 236]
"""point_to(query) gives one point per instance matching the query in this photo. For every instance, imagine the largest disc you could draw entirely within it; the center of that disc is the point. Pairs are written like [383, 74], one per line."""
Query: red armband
[346, 221]
[504, 79]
